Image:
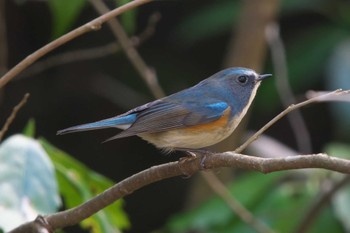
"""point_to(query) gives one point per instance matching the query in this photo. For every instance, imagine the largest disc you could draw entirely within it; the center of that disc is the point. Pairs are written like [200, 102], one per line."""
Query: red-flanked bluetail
[194, 118]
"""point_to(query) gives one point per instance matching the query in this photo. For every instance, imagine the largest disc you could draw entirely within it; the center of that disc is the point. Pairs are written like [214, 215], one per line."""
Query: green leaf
[64, 13]
[79, 184]
[279, 207]
[278, 204]
[29, 129]
[27, 182]
[215, 214]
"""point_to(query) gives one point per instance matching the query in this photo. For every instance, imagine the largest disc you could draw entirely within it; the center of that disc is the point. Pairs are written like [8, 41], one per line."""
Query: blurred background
[304, 44]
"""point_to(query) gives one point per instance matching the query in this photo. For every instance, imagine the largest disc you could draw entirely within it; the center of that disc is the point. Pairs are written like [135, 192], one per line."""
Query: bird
[192, 119]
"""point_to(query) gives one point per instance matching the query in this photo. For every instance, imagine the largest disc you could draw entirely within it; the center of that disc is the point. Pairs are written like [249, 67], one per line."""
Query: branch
[279, 61]
[262, 147]
[91, 53]
[220, 189]
[189, 167]
[39, 225]
[247, 47]
[318, 205]
[328, 96]
[72, 56]
[322, 97]
[88, 27]
[14, 112]
[147, 74]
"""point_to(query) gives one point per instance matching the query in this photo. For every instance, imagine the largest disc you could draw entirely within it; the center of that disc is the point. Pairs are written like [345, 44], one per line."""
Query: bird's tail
[121, 122]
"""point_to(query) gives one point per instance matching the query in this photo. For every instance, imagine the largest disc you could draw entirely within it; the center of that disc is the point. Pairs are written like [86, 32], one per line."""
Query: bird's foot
[193, 154]
[189, 156]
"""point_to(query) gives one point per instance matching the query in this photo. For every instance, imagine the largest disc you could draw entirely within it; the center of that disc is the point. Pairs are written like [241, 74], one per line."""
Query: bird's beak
[263, 76]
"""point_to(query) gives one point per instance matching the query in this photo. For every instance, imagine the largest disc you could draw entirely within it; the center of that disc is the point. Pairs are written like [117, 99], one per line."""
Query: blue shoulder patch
[219, 106]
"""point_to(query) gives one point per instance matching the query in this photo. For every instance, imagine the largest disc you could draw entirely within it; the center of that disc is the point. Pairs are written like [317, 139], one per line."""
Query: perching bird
[194, 118]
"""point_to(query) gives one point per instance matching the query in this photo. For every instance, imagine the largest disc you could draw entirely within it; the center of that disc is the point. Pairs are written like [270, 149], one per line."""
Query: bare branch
[72, 56]
[279, 62]
[148, 74]
[319, 204]
[39, 225]
[321, 96]
[220, 189]
[10, 119]
[91, 53]
[326, 97]
[247, 47]
[88, 27]
[268, 165]
[267, 147]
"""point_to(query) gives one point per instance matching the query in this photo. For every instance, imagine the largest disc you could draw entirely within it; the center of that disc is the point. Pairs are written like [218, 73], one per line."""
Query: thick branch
[268, 165]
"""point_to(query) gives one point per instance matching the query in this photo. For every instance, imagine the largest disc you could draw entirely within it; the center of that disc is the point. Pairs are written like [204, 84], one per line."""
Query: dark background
[91, 90]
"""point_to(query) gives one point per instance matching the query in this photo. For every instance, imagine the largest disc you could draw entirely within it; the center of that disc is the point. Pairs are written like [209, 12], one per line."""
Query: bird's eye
[242, 79]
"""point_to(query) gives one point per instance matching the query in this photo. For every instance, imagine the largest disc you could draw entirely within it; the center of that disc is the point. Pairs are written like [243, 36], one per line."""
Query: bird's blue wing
[165, 115]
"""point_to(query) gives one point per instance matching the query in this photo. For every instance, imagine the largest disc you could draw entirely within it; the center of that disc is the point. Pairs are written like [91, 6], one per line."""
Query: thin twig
[279, 62]
[245, 215]
[267, 146]
[14, 112]
[88, 27]
[91, 53]
[150, 28]
[140, 65]
[72, 56]
[285, 112]
[319, 204]
[344, 97]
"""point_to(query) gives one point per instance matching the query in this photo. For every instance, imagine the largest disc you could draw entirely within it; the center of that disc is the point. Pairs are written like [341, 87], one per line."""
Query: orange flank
[219, 123]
